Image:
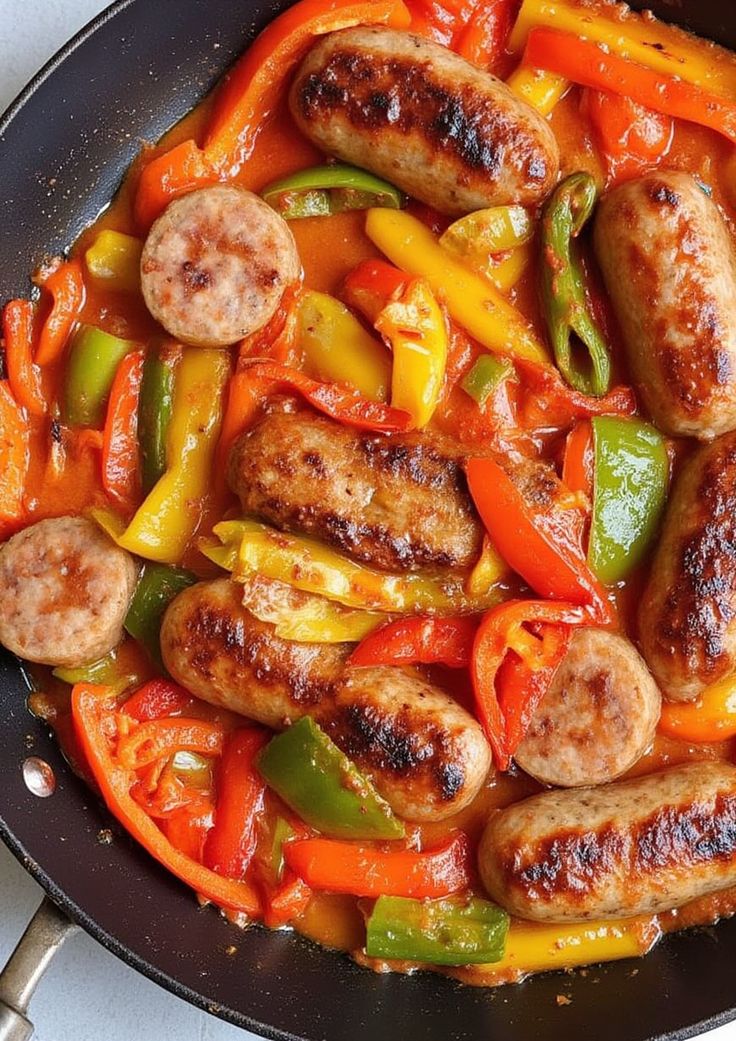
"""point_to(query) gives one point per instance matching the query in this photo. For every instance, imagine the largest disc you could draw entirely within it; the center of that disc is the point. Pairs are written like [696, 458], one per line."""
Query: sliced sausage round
[687, 612]
[439, 128]
[427, 756]
[65, 589]
[598, 717]
[670, 269]
[634, 847]
[215, 266]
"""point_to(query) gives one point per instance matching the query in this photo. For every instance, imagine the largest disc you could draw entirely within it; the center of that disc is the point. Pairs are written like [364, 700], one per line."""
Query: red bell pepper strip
[121, 472]
[539, 536]
[156, 699]
[420, 641]
[287, 901]
[483, 40]
[547, 402]
[173, 173]
[373, 284]
[14, 457]
[586, 63]
[188, 826]
[631, 137]
[231, 843]
[577, 468]
[347, 867]
[24, 375]
[440, 21]
[92, 711]
[66, 285]
[337, 401]
[160, 738]
[512, 667]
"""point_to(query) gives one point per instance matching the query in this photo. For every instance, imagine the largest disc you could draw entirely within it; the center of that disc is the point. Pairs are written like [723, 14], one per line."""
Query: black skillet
[65, 145]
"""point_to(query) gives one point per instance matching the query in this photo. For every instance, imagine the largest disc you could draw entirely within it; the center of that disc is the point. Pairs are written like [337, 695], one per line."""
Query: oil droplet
[39, 777]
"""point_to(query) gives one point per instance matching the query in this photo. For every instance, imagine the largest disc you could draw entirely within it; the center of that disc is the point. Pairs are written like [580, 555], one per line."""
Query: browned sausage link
[669, 266]
[687, 615]
[635, 847]
[424, 118]
[427, 756]
[398, 503]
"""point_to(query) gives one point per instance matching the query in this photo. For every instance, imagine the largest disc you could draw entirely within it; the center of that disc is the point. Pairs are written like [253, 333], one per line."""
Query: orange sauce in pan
[329, 249]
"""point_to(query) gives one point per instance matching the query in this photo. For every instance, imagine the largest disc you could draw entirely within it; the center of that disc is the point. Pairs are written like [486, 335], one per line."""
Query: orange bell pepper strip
[712, 717]
[121, 472]
[586, 63]
[483, 40]
[287, 901]
[240, 789]
[546, 401]
[155, 699]
[160, 738]
[24, 375]
[14, 457]
[339, 402]
[65, 283]
[631, 137]
[538, 535]
[92, 712]
[173, 173]
[512, 667]
[418, 641]
[348, 867]
[577, 467]
[188, 826]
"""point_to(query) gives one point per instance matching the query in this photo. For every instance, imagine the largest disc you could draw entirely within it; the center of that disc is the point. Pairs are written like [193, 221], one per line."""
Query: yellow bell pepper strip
[113, 671]
[63, 280]
[532, 947]
[93, 712]
[712, 717]
[310, 566]
[584, 62]
[540, 89]
[323, 787]
[657, 46]
[506, 270]
[321, 191]
[436, 932]
[24, 375]
[472, 301]
[167, 519]
[493, 230]
[114, 261]
[415, 327]
[303, 617]
[14, 457]
[338, 349]
[486, 573]
[335, 400]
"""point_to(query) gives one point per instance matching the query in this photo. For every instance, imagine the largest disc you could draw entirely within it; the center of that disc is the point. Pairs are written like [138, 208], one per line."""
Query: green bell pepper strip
[94, 357]
[436, 932]
[154, 414]
[282, 832]
[323, 190]
[563, 286]
[157, 587]
[321, 785]
[482, 379]
[630, 478]
[108, 672]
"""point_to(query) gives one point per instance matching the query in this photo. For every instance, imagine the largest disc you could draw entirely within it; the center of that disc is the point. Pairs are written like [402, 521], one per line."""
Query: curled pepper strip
[65, 283]
[92, 712]
[24, 375]
[338, 402]
[323, 190]
[563, 285]
[162, 737]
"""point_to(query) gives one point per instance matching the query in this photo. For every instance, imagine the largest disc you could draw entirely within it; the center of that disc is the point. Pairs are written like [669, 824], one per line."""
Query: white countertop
[85, 982]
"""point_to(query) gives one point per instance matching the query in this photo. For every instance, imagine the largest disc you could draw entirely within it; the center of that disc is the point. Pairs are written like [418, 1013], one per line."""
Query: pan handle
[45, 934]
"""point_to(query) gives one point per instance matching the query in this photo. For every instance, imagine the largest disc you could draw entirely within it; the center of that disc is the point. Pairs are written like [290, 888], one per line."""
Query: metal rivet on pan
[39, 778]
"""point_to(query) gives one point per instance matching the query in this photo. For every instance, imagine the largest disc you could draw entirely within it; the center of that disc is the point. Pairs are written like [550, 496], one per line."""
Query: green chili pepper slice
[94, 357]
[437, 932]
[488, 372]
[154, 413]
[320, 784]
[566, 308]
[321, 191]
[631, 475]
[157, 587]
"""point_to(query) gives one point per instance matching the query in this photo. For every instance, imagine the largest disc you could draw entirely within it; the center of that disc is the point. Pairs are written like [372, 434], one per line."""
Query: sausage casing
[421, 116]
[629, 848]
[669, 267]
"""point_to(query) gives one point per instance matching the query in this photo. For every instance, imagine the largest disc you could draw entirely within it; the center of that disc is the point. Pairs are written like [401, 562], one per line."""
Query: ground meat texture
[426, 755]
[215, 266]
[65, 589]
[436, 126]
[624, 849]
[398, 503]
[598, 717]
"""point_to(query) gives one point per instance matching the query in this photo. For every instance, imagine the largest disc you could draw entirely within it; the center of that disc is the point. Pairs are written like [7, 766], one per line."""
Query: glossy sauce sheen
[329, 249]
